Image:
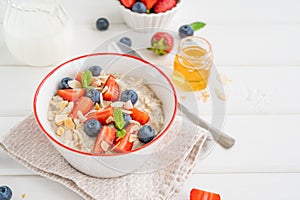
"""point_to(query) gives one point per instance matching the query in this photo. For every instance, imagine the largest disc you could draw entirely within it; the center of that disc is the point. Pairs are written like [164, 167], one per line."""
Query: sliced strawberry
[164, 5]
[149, 3]
[83, 104]
[128, 3]
[102, 115]
[79, 78]
[203, 195]
[71, 94]
[104, 139]
[113, 91]
[139, 116]
[123, 144]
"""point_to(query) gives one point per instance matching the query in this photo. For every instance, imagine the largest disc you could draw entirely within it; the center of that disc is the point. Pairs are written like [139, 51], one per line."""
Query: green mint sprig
[119, 123]
[87, 79]
[197, 25]
[121, 133]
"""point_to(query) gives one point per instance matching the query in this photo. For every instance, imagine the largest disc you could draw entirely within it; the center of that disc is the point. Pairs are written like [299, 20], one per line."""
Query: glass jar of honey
[192, 63]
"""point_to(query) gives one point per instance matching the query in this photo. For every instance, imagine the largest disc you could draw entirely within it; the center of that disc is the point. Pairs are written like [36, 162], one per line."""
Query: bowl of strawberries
[143, 15]
[106, 112]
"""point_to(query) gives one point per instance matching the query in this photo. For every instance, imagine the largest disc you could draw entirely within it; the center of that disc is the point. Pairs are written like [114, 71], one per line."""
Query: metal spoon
[220, 137]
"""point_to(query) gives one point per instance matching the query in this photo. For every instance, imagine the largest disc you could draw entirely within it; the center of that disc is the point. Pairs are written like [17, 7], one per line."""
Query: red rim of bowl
[101, 54]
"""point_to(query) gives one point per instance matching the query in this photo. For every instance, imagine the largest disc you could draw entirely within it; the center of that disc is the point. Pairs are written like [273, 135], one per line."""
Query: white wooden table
[256, 44]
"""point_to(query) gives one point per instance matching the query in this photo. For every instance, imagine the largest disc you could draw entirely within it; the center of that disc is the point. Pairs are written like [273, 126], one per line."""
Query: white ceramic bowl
[114, 165]
[146, 22]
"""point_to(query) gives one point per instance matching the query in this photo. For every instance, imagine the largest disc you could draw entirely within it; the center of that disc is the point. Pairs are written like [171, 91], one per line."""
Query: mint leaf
[121, 133]
[197, 25]
[86, 78]
[118, 118]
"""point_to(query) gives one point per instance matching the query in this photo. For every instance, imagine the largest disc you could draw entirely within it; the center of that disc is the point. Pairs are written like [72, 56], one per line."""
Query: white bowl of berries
[144, 15]
[105, 112]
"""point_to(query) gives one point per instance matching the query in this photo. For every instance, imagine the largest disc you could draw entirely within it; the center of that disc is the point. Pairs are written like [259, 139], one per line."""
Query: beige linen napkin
[28, 145]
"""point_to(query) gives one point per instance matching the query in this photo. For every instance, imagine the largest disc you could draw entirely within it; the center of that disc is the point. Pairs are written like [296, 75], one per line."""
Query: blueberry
[139, 7]
[146, 134]
[185, 30]
[102, 24]
[126, 41]
[64, 83]
[129, 95]
[126, 118]
[96, 70]
[94, 95]
[5, 193]
[92, 127]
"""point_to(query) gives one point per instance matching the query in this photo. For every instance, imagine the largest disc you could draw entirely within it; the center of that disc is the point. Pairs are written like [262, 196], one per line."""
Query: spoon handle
[220, 137]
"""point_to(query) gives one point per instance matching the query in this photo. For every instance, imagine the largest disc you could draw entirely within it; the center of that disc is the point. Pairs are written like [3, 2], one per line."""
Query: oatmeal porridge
[104, 113]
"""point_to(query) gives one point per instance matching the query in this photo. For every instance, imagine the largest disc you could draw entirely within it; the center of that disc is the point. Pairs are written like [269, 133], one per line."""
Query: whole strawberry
[128, 3]
[164, 5]
[161, 43]
[149, 3]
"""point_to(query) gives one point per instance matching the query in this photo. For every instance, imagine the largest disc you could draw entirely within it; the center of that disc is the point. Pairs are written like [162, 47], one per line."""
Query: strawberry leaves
[161, 43]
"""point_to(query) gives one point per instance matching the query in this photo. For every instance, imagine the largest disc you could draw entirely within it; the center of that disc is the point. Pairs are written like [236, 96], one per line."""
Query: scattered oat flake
[224, 79]
[220, 95]
[183, 97]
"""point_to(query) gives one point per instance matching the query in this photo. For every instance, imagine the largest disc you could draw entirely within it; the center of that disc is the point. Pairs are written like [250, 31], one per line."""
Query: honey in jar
[192, 64]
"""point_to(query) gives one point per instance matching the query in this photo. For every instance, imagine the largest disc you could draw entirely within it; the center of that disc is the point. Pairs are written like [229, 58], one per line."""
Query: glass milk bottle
[38, 32]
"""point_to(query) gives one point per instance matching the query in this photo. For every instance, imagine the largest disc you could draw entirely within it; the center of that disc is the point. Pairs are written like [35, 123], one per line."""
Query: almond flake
[117, 104]
[134, 122]
[104, 89]
[77, 123]
[60, 131]
[101, 100]
[109, 120]
[50, 116]
[74, 84]
[128, 105]
[97, 106]
[115, 146]
[69, 124]
[104, 146]
[63, 104]
[132, 137]
[81, 117]
[126, 111]
[134, 129]
[59, 119]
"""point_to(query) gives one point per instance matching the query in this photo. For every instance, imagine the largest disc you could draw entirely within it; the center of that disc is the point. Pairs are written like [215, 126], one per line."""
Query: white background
[256, 44]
